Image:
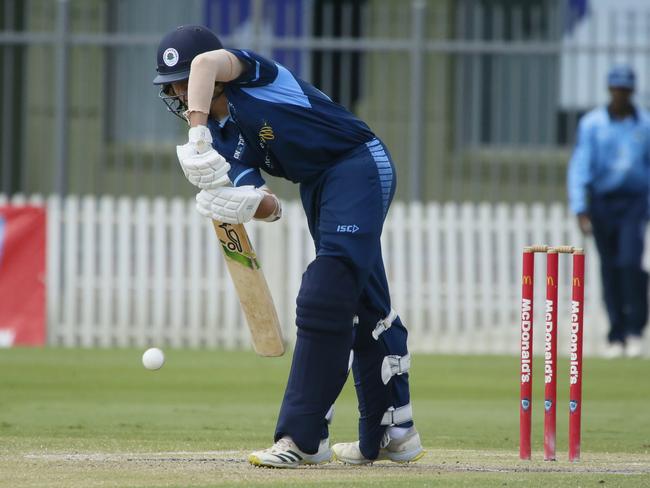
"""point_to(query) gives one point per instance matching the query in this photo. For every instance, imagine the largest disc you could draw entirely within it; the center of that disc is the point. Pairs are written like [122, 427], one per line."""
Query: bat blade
[253, 290]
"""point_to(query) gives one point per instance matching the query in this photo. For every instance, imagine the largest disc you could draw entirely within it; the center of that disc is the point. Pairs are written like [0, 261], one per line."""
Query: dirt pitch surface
[226, 468]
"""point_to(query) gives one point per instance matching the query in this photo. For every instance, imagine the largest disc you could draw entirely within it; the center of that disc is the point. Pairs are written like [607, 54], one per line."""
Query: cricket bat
[252, 289]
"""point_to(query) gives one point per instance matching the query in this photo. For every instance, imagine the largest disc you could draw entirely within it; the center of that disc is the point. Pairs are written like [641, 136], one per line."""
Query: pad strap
[392, 365]
[396, 416]
[384, 324]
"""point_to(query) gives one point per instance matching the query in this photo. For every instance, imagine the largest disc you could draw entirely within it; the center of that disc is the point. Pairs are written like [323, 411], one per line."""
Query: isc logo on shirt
[347, 228]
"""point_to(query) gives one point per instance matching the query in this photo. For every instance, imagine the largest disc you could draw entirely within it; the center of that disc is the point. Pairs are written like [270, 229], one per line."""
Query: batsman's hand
[230, 205]
[203, 166]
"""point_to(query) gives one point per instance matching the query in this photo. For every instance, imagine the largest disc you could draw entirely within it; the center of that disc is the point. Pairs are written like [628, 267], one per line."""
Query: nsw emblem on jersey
[265, 136]
[266, 133]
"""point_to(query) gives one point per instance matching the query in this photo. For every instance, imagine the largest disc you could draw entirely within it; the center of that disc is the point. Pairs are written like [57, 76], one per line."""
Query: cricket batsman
[248, 113]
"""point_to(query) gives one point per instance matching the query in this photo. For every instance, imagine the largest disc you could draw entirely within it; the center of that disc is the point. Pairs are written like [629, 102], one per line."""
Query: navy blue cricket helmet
[177, 50]
[175, 54]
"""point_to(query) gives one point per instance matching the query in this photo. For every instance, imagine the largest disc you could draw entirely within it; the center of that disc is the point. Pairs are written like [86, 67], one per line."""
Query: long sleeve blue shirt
[611, 156]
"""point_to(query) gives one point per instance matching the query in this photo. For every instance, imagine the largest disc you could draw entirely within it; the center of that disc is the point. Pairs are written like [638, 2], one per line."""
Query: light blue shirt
[611, 156]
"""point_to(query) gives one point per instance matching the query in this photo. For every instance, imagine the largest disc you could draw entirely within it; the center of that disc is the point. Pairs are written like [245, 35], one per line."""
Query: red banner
[22, 276]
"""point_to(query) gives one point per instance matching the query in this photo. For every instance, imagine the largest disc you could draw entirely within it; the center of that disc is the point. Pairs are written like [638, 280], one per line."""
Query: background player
[608, 190]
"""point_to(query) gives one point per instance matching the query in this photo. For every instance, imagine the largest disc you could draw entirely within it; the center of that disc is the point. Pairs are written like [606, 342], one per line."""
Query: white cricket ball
[153, 358]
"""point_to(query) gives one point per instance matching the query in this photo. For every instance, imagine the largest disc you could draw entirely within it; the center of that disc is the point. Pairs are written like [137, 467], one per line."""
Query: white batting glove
[203, 166]
[228, 204]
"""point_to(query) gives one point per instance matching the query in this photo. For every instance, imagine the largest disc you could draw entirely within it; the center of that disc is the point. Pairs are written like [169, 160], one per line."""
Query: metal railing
[477, 100]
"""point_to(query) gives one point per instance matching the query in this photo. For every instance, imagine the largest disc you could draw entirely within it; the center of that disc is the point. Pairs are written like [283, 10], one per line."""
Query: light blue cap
[621, 76]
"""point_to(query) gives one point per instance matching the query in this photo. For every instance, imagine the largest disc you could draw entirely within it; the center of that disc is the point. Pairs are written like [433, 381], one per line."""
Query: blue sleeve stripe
[257, 71]
[284, 89]
[384, 170]
[257, 64]
[241, 175]
[373, 143]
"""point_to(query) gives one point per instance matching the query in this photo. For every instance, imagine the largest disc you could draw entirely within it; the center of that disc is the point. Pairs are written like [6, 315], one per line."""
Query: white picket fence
[125, 272]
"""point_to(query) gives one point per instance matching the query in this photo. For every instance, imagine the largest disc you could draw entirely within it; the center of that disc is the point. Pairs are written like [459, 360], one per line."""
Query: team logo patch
[266, 133]
[547, 405]
[525, 404]
[573, 405]
[170, 56]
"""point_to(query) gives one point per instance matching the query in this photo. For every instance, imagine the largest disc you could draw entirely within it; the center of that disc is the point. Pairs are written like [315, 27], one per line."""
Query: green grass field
[91, 418]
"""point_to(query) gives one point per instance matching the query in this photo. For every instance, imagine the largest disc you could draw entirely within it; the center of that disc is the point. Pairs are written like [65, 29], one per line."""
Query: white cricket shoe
[634, 347]
[285, 454]
[407, 449]
[614, 350]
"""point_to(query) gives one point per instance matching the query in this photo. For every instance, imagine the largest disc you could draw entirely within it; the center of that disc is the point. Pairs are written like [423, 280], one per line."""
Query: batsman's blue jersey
[292, 129]
[288, 128]
[228, 141]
